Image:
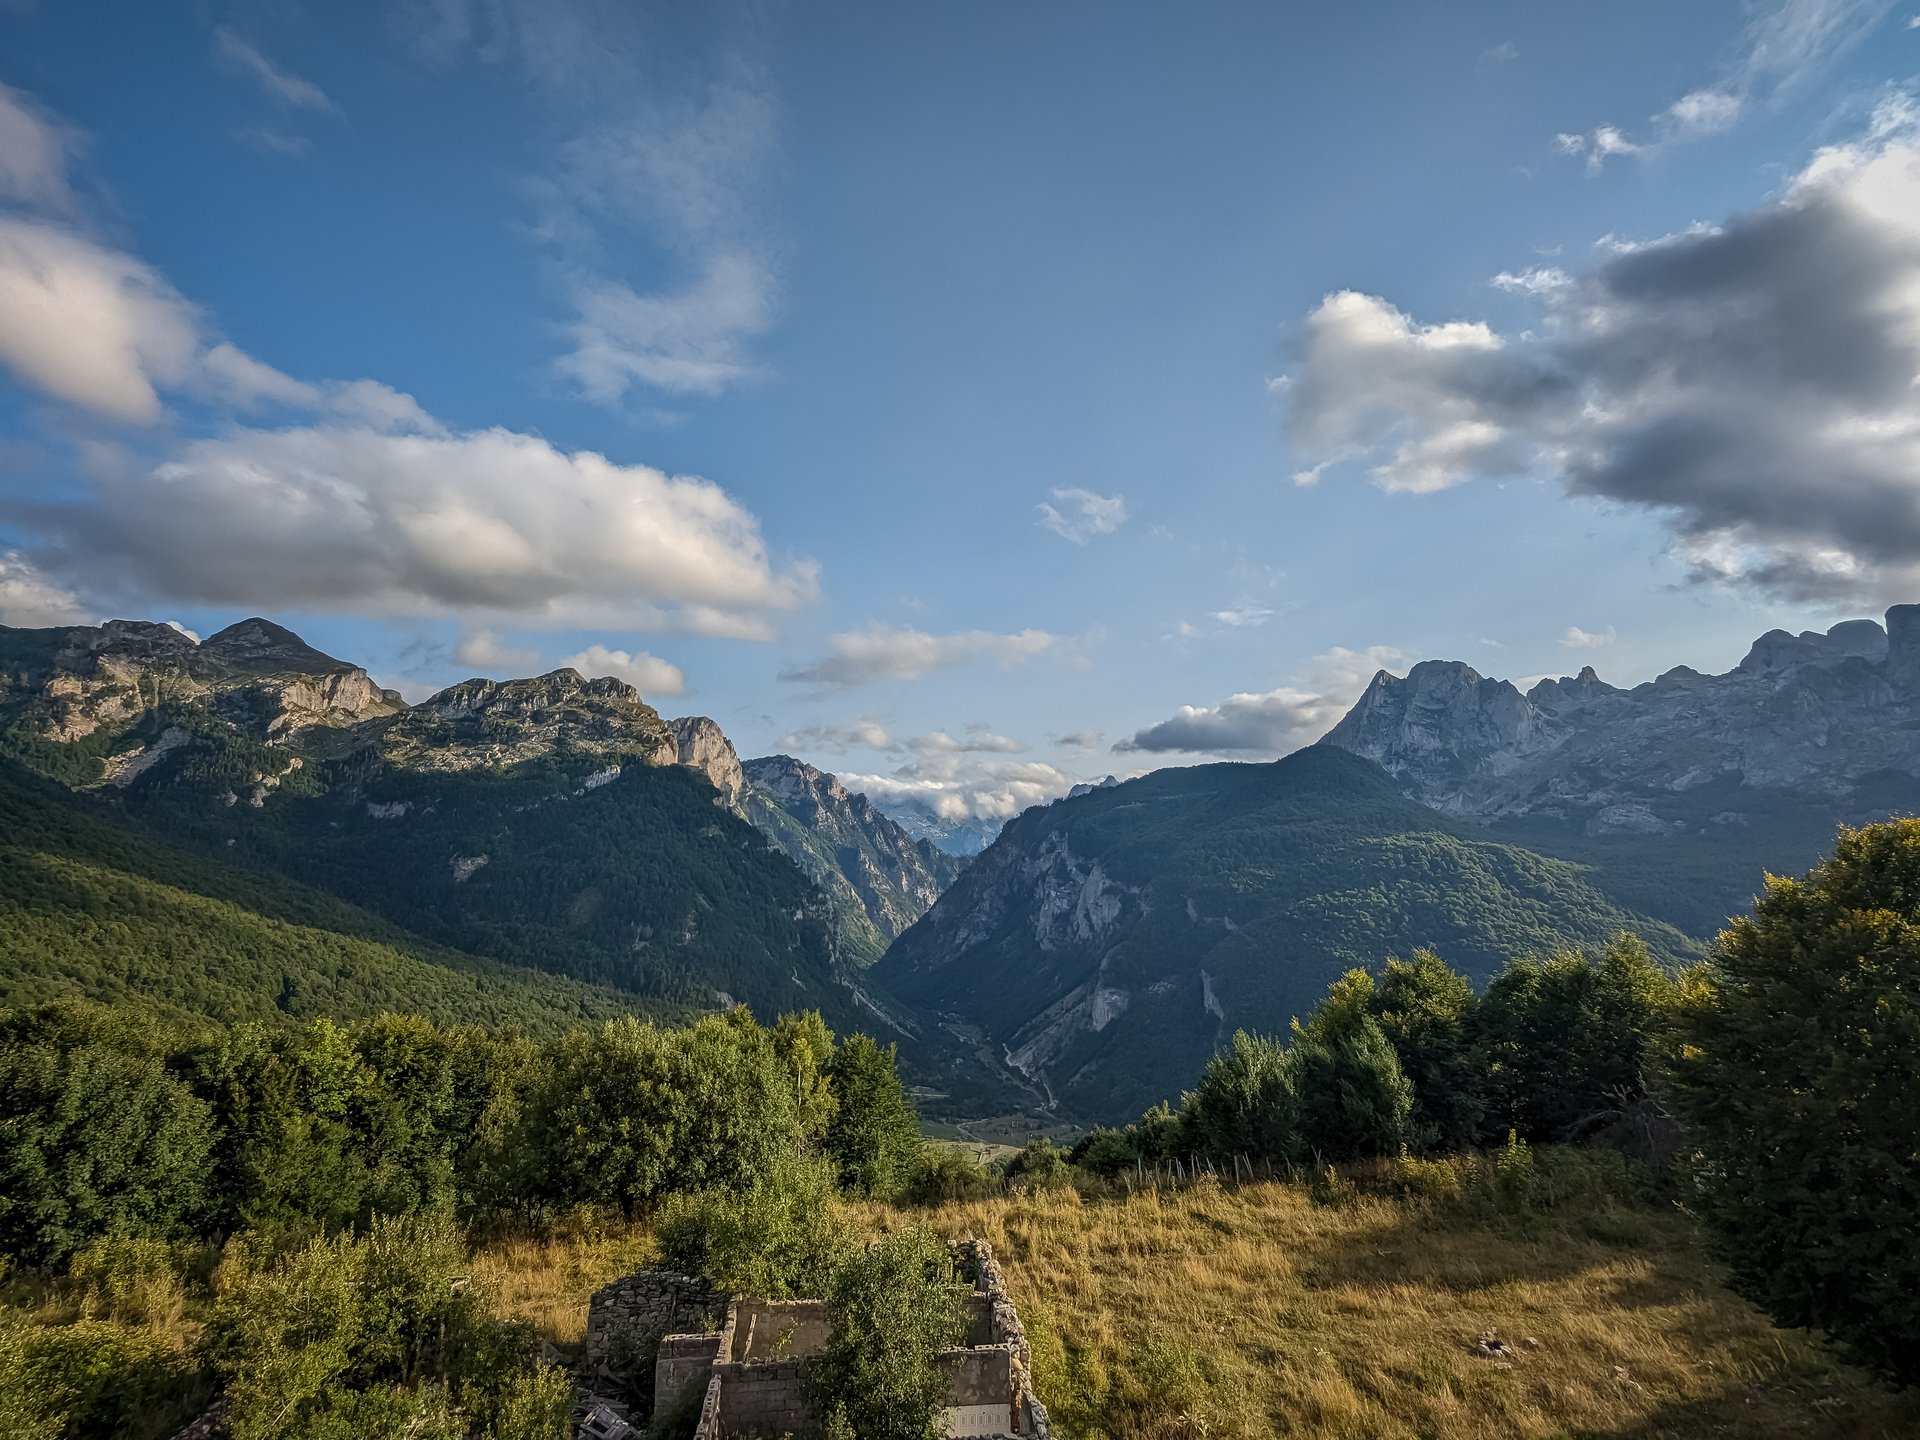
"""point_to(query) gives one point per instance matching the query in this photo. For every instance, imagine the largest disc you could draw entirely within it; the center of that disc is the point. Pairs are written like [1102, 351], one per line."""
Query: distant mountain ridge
[1105, 944]
[546, 821]
[1817, 713]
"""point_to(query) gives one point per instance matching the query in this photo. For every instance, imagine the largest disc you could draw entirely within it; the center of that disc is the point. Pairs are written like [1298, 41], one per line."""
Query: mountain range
[244, 826]
[552, 824]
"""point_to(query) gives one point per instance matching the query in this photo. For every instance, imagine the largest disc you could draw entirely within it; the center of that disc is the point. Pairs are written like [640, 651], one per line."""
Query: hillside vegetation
[1112, 941]
[90, 908]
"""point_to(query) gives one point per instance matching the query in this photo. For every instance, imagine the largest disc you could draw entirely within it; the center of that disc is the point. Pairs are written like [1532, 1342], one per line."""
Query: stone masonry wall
[627, 1320]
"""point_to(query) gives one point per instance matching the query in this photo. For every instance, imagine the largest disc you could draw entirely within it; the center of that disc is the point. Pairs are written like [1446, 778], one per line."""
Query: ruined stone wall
[682, 1369]
[1004, 1328]
[627, 1320]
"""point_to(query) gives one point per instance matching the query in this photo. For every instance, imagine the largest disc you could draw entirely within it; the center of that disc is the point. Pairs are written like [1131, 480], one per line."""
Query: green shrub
[782, 1237]
[132, 1278]
[1245, 1102]
[893, 1309]
[1513, 1174]
[1041, 1165]
[1352, 1098]
[93, 1380]
[946, 1174]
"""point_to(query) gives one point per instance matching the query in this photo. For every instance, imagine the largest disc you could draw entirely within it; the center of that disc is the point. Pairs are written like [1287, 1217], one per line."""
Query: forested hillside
[92, 908]
[1110, 942]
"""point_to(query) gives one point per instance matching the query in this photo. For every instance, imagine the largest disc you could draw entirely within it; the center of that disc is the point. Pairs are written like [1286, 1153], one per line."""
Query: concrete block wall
[682, 1368]
[764, 1398]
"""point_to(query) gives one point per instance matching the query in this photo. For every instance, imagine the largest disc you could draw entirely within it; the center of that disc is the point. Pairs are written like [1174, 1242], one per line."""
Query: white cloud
[1080, 740]
[1086, 515]
[693, 342]
[886, 652]
[33, 154]
[988, 791]
[102, 330]
[837, 737]
[1270, 723]
[670, 128]
[485, 522]
[1752, 383]
[1578, 639]
[30, 601]
[482, 650]
[238, 57]
[648, 674]
[1781, 48]
[1241, 617]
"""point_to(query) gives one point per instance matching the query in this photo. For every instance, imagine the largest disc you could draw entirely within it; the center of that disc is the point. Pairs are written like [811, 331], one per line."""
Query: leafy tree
[1351, 1097]
[1427, 1011]
[1799, 1081]
[874, 1135]
[892, 1310]
[630, 1112]
[805, 1047]
[1245, 1102]
[1041, 1164]
[781, 1237]
[1566, 1038]
[95, 1137]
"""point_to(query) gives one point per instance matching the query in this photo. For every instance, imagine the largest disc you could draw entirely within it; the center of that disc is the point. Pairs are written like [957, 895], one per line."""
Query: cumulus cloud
[1752, 383]
[30, 601]
[485, 652]
[1578, 639]
[362, 519]
[238, 57]
[1273, 722]
[1085, 514]
[887, 652]
[648, 674]
[1782, 46]
[987, 791]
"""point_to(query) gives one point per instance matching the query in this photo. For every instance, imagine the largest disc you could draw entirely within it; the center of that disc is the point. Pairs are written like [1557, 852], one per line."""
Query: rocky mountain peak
[482, 723]
[792, 781]
[704, 747]
[261, 645]
[1810, 712]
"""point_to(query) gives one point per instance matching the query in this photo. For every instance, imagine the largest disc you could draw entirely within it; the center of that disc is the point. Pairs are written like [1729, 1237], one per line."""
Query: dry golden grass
[1257, 1312]
[1227, 1314]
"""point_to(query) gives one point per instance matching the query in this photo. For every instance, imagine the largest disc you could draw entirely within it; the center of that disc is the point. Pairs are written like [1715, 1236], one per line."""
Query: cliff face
[701, 745]
[1106, 944]
[862, 859]
[1811, 714]
[96, 682]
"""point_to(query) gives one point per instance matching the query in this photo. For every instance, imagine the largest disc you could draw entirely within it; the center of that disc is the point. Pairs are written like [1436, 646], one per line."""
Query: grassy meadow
[1282, 1309]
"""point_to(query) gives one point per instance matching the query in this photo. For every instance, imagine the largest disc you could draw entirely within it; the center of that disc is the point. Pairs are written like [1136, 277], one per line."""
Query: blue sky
[951, 393]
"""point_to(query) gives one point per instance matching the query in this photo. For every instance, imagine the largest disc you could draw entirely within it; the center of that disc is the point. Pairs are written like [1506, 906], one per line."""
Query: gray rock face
[491, 723]
[704, 747]
[1814, 714]
[860, 858]
[70, 684]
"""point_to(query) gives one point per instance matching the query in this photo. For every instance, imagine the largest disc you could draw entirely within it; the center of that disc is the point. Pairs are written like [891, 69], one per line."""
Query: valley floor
[1258, 1311]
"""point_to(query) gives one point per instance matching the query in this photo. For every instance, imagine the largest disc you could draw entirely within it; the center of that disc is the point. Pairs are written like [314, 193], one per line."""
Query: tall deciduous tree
[1798, 1078]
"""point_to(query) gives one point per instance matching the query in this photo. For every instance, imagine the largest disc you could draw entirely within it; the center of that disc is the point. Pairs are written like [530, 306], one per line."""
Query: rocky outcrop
[1812, 714]
[490, 724]
[256, 678]
[867, 865]
[704, 747]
